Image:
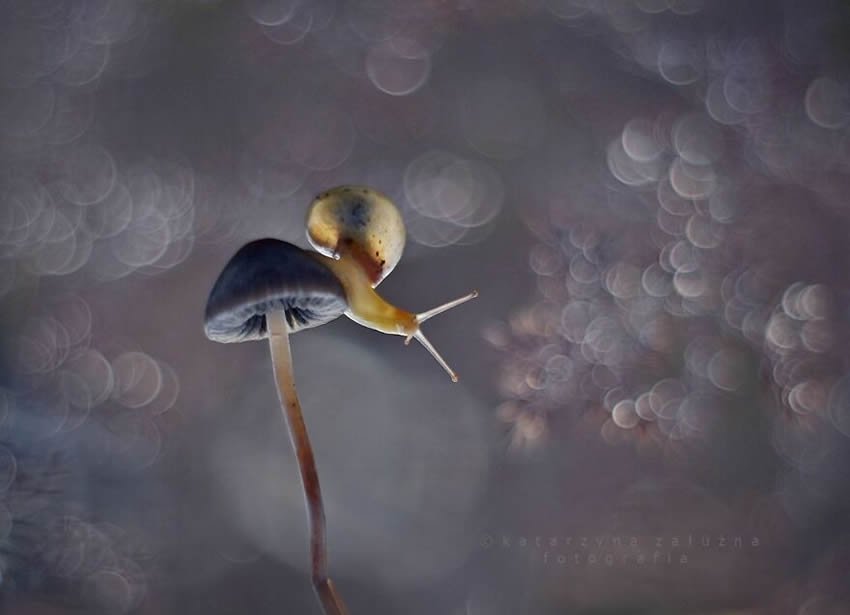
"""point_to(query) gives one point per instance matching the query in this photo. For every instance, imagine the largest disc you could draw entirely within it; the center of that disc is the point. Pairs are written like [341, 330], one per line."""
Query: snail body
[365, 306]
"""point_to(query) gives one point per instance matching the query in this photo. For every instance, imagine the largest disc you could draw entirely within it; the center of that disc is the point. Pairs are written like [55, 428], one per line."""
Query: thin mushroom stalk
[271, 288]
[282, 362]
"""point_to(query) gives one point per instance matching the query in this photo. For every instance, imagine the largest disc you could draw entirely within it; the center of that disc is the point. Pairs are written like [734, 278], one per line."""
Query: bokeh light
[651, 196]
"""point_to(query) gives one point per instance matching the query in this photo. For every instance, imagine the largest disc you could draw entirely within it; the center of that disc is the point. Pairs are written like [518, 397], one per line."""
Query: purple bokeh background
[654, 406]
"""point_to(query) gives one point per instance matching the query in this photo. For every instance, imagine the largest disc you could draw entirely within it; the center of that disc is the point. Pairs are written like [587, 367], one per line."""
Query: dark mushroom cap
[269, 274]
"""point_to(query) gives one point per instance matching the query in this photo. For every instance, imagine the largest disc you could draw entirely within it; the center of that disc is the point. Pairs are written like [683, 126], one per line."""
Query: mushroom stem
[282, 362]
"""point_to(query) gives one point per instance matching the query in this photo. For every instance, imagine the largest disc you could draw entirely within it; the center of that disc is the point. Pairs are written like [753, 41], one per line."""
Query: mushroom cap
[361, 221]
[269, 274]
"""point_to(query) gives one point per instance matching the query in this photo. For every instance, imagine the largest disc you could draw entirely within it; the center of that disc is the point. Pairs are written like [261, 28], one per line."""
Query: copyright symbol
[486, 541]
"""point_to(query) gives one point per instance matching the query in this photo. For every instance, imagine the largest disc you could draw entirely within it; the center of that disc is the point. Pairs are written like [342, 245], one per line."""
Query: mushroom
[271, 288]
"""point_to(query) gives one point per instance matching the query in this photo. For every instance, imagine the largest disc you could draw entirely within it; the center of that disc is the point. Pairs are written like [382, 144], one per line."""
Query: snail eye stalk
[426, 315]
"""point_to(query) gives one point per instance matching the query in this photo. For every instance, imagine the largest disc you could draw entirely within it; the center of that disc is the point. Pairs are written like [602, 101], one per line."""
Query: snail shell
[360, 222]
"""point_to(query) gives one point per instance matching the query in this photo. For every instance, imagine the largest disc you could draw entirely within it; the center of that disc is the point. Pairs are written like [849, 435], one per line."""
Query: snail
[362, 232]
[271, 288]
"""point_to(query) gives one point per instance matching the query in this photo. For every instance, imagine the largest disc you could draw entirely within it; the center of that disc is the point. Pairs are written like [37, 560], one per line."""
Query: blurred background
[654, 402]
